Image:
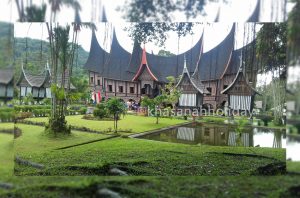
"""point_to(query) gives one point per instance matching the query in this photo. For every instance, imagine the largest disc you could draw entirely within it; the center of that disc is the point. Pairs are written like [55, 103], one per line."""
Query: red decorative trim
[144, 62]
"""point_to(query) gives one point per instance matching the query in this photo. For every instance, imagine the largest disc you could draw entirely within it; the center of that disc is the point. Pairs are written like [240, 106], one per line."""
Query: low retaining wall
[158, 130]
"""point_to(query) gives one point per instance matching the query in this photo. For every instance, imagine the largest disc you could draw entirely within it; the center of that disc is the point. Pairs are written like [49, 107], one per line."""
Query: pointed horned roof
[144, 65]
[6, 76]
[256, 13]
[119, 64]
[186, 75]
[103, 17]
[27, 79]
[240, 77]
[213, 63]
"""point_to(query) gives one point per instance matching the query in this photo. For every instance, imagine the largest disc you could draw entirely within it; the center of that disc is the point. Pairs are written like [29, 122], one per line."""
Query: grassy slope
[129, 122]
[136, 156]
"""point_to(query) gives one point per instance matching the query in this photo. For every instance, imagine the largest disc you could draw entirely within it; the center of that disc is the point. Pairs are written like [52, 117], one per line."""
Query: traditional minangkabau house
[192, 90]
[240, 94]
[38, 85]
[6, 84]
[131, 76]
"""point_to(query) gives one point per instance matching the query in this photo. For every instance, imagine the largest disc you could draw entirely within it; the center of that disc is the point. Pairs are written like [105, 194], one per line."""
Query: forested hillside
[6, 44]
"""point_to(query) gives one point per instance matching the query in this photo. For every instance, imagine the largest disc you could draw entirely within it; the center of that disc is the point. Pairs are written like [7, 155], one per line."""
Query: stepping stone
[116, 171]
[106, 193]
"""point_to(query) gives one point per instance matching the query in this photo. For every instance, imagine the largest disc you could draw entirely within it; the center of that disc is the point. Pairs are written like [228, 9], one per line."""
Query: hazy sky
[234, 10]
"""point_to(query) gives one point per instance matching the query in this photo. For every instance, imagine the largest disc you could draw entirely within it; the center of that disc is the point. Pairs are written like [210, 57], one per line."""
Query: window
[121, 89]
[98, 82]
[110, 88]
[209, 90]
[92, 79]
[206, 131]
[131, 90]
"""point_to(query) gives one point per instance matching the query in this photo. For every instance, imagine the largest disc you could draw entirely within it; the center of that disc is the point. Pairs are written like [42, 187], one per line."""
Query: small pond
[293, 148]
[220, 135]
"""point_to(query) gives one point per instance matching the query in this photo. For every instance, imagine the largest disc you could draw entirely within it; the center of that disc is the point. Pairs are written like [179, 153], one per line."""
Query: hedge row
[6, 116]
[27, 111]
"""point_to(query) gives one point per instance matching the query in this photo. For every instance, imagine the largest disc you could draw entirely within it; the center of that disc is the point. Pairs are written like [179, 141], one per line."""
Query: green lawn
[35, 140]
[148, 187]
[6, 155]
[136, 156]
[6, 126]
[130, 122]
[293, 166]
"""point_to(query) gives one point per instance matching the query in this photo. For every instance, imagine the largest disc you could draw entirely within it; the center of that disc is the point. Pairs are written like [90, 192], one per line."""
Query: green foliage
[165, 53]
[157, 32]
[101, 111]
[59, 92]
[271, 46]
[156, 10]
[293, 33]
[116, 107]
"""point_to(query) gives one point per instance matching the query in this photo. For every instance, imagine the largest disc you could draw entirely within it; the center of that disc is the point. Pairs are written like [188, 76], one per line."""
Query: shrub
[82, 110]
[266, 119]
[101, 111]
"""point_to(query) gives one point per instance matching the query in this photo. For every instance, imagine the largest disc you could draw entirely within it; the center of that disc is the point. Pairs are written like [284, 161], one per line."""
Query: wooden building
[6, 84]
[37, 85]
[131, 76]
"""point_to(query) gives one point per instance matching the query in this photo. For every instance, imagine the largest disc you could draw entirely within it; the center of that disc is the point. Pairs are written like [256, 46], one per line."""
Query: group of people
[132, 105]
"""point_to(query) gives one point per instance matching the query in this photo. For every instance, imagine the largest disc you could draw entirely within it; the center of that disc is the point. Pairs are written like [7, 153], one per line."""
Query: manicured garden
[129, 123]
[136, 156]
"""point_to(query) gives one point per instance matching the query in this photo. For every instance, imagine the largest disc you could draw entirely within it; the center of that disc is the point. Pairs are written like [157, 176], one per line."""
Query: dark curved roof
[6, 76]
[97, 56]
[27, 79]
[255, 14]
[119, 64]
[213, 63]
[116, 63]
[235, 62]
[163, 66]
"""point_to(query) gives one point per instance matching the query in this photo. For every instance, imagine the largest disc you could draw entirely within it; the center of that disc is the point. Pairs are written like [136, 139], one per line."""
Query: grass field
[6, 155]
[130, 122]
[135, 156]
[6, 126]
[35, 140]
[148, 187]
[293, 166]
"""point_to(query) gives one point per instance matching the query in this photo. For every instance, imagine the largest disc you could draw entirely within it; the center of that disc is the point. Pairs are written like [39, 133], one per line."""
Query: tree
[154, 105]
[61, 62]
[165, 53]
[29, 12]
[147, 31]
[171, 93]
[293, 33]
[271, 53]
[157, 10]
[115, 107]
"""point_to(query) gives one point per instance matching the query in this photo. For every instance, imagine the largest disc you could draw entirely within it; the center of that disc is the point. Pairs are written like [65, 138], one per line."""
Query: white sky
[234, 10]
[213, 35]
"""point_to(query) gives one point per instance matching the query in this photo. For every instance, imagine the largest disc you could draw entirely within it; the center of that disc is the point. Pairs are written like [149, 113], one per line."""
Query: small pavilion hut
[39, 85]
[6, 84]
[240, 95]
[192, 92]
[36, 85]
